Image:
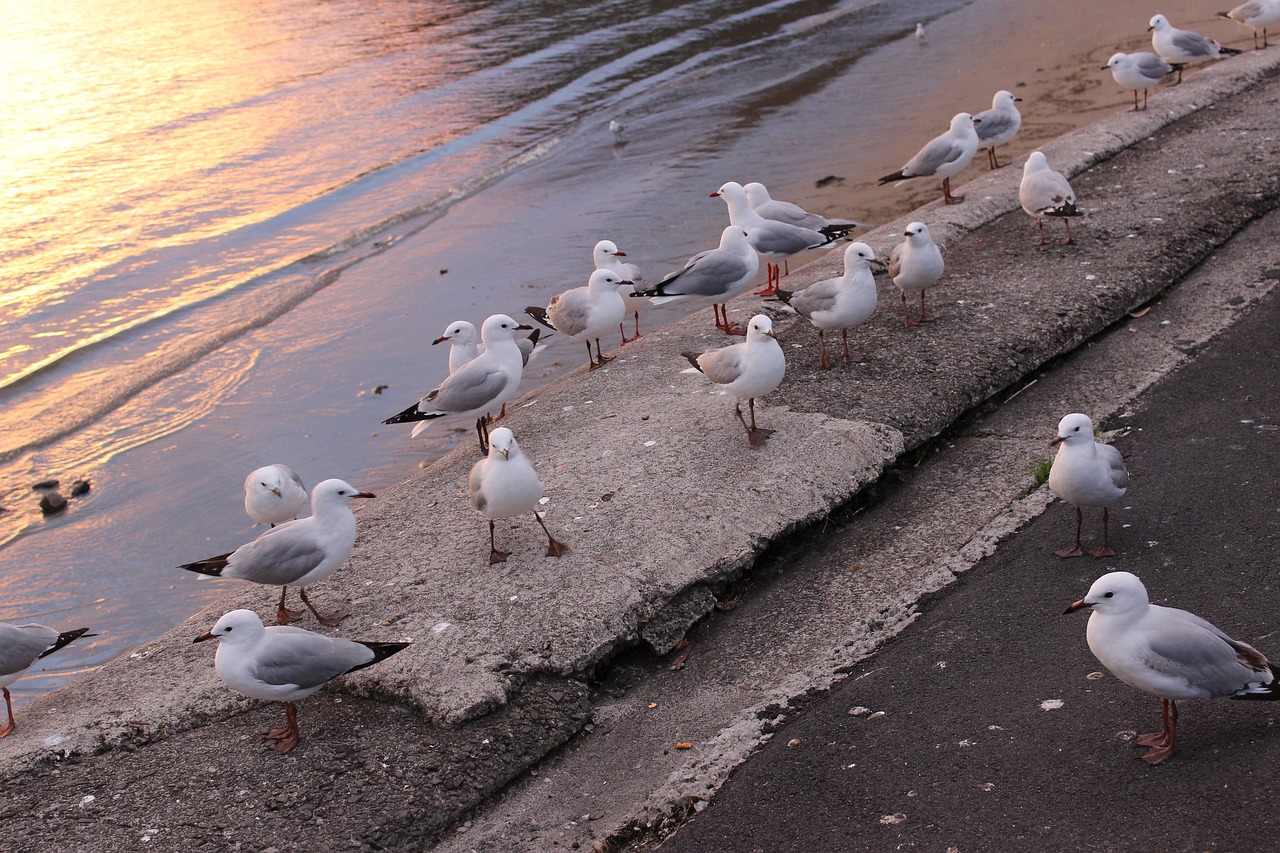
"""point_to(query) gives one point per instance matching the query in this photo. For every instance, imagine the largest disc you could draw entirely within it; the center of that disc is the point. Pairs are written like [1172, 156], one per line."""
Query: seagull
[838, 303]
[1183, 46]
[296, 553]
[488, 380]
[746, 370]
[793, 214]
[1140, 70]
[586, 313]
[285, 664]
[915, 265]
[716, 275]
[920, 32]
[998, 125]
[770, 237]
[1170, 653]
[464, 346]
[1086, 473]
[605, 256]
[20, 647]
[503, 485]
[1044, 192]
[1256, 14]
[945, 155]
[616, 128]
[274, 494]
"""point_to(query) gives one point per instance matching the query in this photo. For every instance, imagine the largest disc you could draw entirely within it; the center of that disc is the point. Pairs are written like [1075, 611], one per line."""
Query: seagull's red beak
[1057, 439]
[439, 340]
[1079, 605]
[715, 194]
[207, 635]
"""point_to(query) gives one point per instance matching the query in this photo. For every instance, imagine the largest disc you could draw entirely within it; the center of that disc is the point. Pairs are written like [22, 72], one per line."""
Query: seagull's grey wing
[708, 274]
[526, 346]
[473, 386]
[773, 237]
[722, 366]
[569, 311]
[278, 557]
[1185, 646]
[20, 645]
[1192, 43]
[820, 296]
[475, 484]
[1115, 464]
[940, 151]
[306, 659]
[1152, 67]
[993, 123]
[895, 260]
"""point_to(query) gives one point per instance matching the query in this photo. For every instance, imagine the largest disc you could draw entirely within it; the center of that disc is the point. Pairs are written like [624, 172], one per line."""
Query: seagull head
[1114, 592]
[917, 232]
[756, 194]
[729, 190]
[856, 253]
[961, 121]
[1036, 162]
[237, 626]
[1115, 61]
[497, 326]
[463, 331]
[502, 441]
[606, 249]
[335, 491]
[1158, 22]
[1074, 429]
[602, 281]
[1004, 98]
[760, 326]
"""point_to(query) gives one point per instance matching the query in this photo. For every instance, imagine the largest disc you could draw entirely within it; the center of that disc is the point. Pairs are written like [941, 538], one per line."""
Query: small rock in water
[80, 487]
[45, 485]
[52, 503]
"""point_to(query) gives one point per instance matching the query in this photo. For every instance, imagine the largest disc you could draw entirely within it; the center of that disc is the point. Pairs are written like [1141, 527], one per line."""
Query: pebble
[52, 503]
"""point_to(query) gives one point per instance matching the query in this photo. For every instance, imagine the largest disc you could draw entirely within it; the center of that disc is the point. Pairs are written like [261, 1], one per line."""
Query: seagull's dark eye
[229, 629]
[1109, 595]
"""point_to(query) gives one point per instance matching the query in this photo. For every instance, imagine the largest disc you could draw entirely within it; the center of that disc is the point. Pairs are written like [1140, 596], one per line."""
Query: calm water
[225, 221]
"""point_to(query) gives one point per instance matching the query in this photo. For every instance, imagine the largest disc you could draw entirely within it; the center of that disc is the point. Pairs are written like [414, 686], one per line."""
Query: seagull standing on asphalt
[1177, 46]
[998, 125]
[1140, 70]
[20, 647]
[915, 265]
[746, 370]
[945, 155]
[1046, 193]
[1170, 653]
[504, 485]
[1088, 473]
[716, 276]
[274, 494]
[840, 303]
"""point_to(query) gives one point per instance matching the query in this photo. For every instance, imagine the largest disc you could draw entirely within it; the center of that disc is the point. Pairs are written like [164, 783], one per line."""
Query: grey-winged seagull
[943, 156]
[998, 125]
[716, 276]
[504, 485]
[746, 370]
[20, 647]
[1140, 70]
[1257, 15]
[840, 303]
[585, 313]
[1086, 473]
[274, 494]
[1177, 46]
[605, 255]
[915, 265]
[1045, 193]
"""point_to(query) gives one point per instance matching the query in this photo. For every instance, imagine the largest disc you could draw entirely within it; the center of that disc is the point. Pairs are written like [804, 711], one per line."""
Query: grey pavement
[668, 514]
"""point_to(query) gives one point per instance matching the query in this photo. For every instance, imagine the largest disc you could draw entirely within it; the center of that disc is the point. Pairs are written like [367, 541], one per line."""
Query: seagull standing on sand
[296, 553]
[746, 370]
[716, 276]
[998, 125]
[1044, 192]
[586, 313]
[915, 265]
[1170, 653]
[504, 485]
[274, 494]
[1177, 46]
[285, 664]
[1140, 70]
[944, 155]
[1257, 15]
[793, 214]
[616, 128]
[486, 382]
[606, 256]
[1089, 473]
[20, 647]
[838, 303]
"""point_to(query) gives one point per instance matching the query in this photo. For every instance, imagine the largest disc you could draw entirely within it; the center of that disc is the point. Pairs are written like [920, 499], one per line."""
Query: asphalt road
[987, 725]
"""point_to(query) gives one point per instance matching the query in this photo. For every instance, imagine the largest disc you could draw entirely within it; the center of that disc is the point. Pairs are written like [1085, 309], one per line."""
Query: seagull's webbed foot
[286, 738]
[556, 548]
[1073, 551]
[1103, 551]
[758, 436]
[329, 619]
[496, 556]
[1152, 739]
[9, 727]
[1158, 755]
[284, 615]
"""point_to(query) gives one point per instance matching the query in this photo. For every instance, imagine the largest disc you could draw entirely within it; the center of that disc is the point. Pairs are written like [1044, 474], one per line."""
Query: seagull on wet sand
[1044, 193]
[20, 647]
[486, 382]
[586, 313]
[1140, 70]
[297, 553]
[838, 303]
[1177, 46]
[746, 370]
[274, 494]
[285, 664]
[944, 155]
[716, 276]
[605, 255]
[915, 265]
[1170, 653]
[998, 125]
[1088, 473]
[1257, 15]
[504, 485]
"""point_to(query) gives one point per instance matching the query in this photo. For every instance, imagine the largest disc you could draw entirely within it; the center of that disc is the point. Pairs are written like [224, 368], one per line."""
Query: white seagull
[616, 128]
[464, 344]
[1257, 15]
[944, 155]
[486, 382]
[1177, 46]
[605, 256]
[773, 239]
[1170, 653]
[915, 265]
[1086, 472]
[504, 485]
[285, 664]
[998, 125]
[20, 647]
[296, 553]
[838, 303]
[746, 370]
[792, 214]
[586, 313]
[716, 276]
[274, 494]
[1044, 193]
[1140, 70]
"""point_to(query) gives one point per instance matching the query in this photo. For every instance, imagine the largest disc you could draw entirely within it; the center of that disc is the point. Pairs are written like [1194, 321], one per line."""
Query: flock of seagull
[1168, 652]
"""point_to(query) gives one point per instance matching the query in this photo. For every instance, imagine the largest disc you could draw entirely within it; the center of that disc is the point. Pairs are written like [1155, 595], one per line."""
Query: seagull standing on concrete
[716, 276]
[285, 664]
[998, 125]
[1140, 70]
[838, 303]
[274, 494]
[746, 370]
[944, 155]
[1170, 653]
[504, 485]
[1089, 473]
[1257, 15]
[915, 265]
[20, 647]
[1177, 46]
[481, 385]
[1044, 193]
[605, 255]
[586, 313]
[297, 553]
